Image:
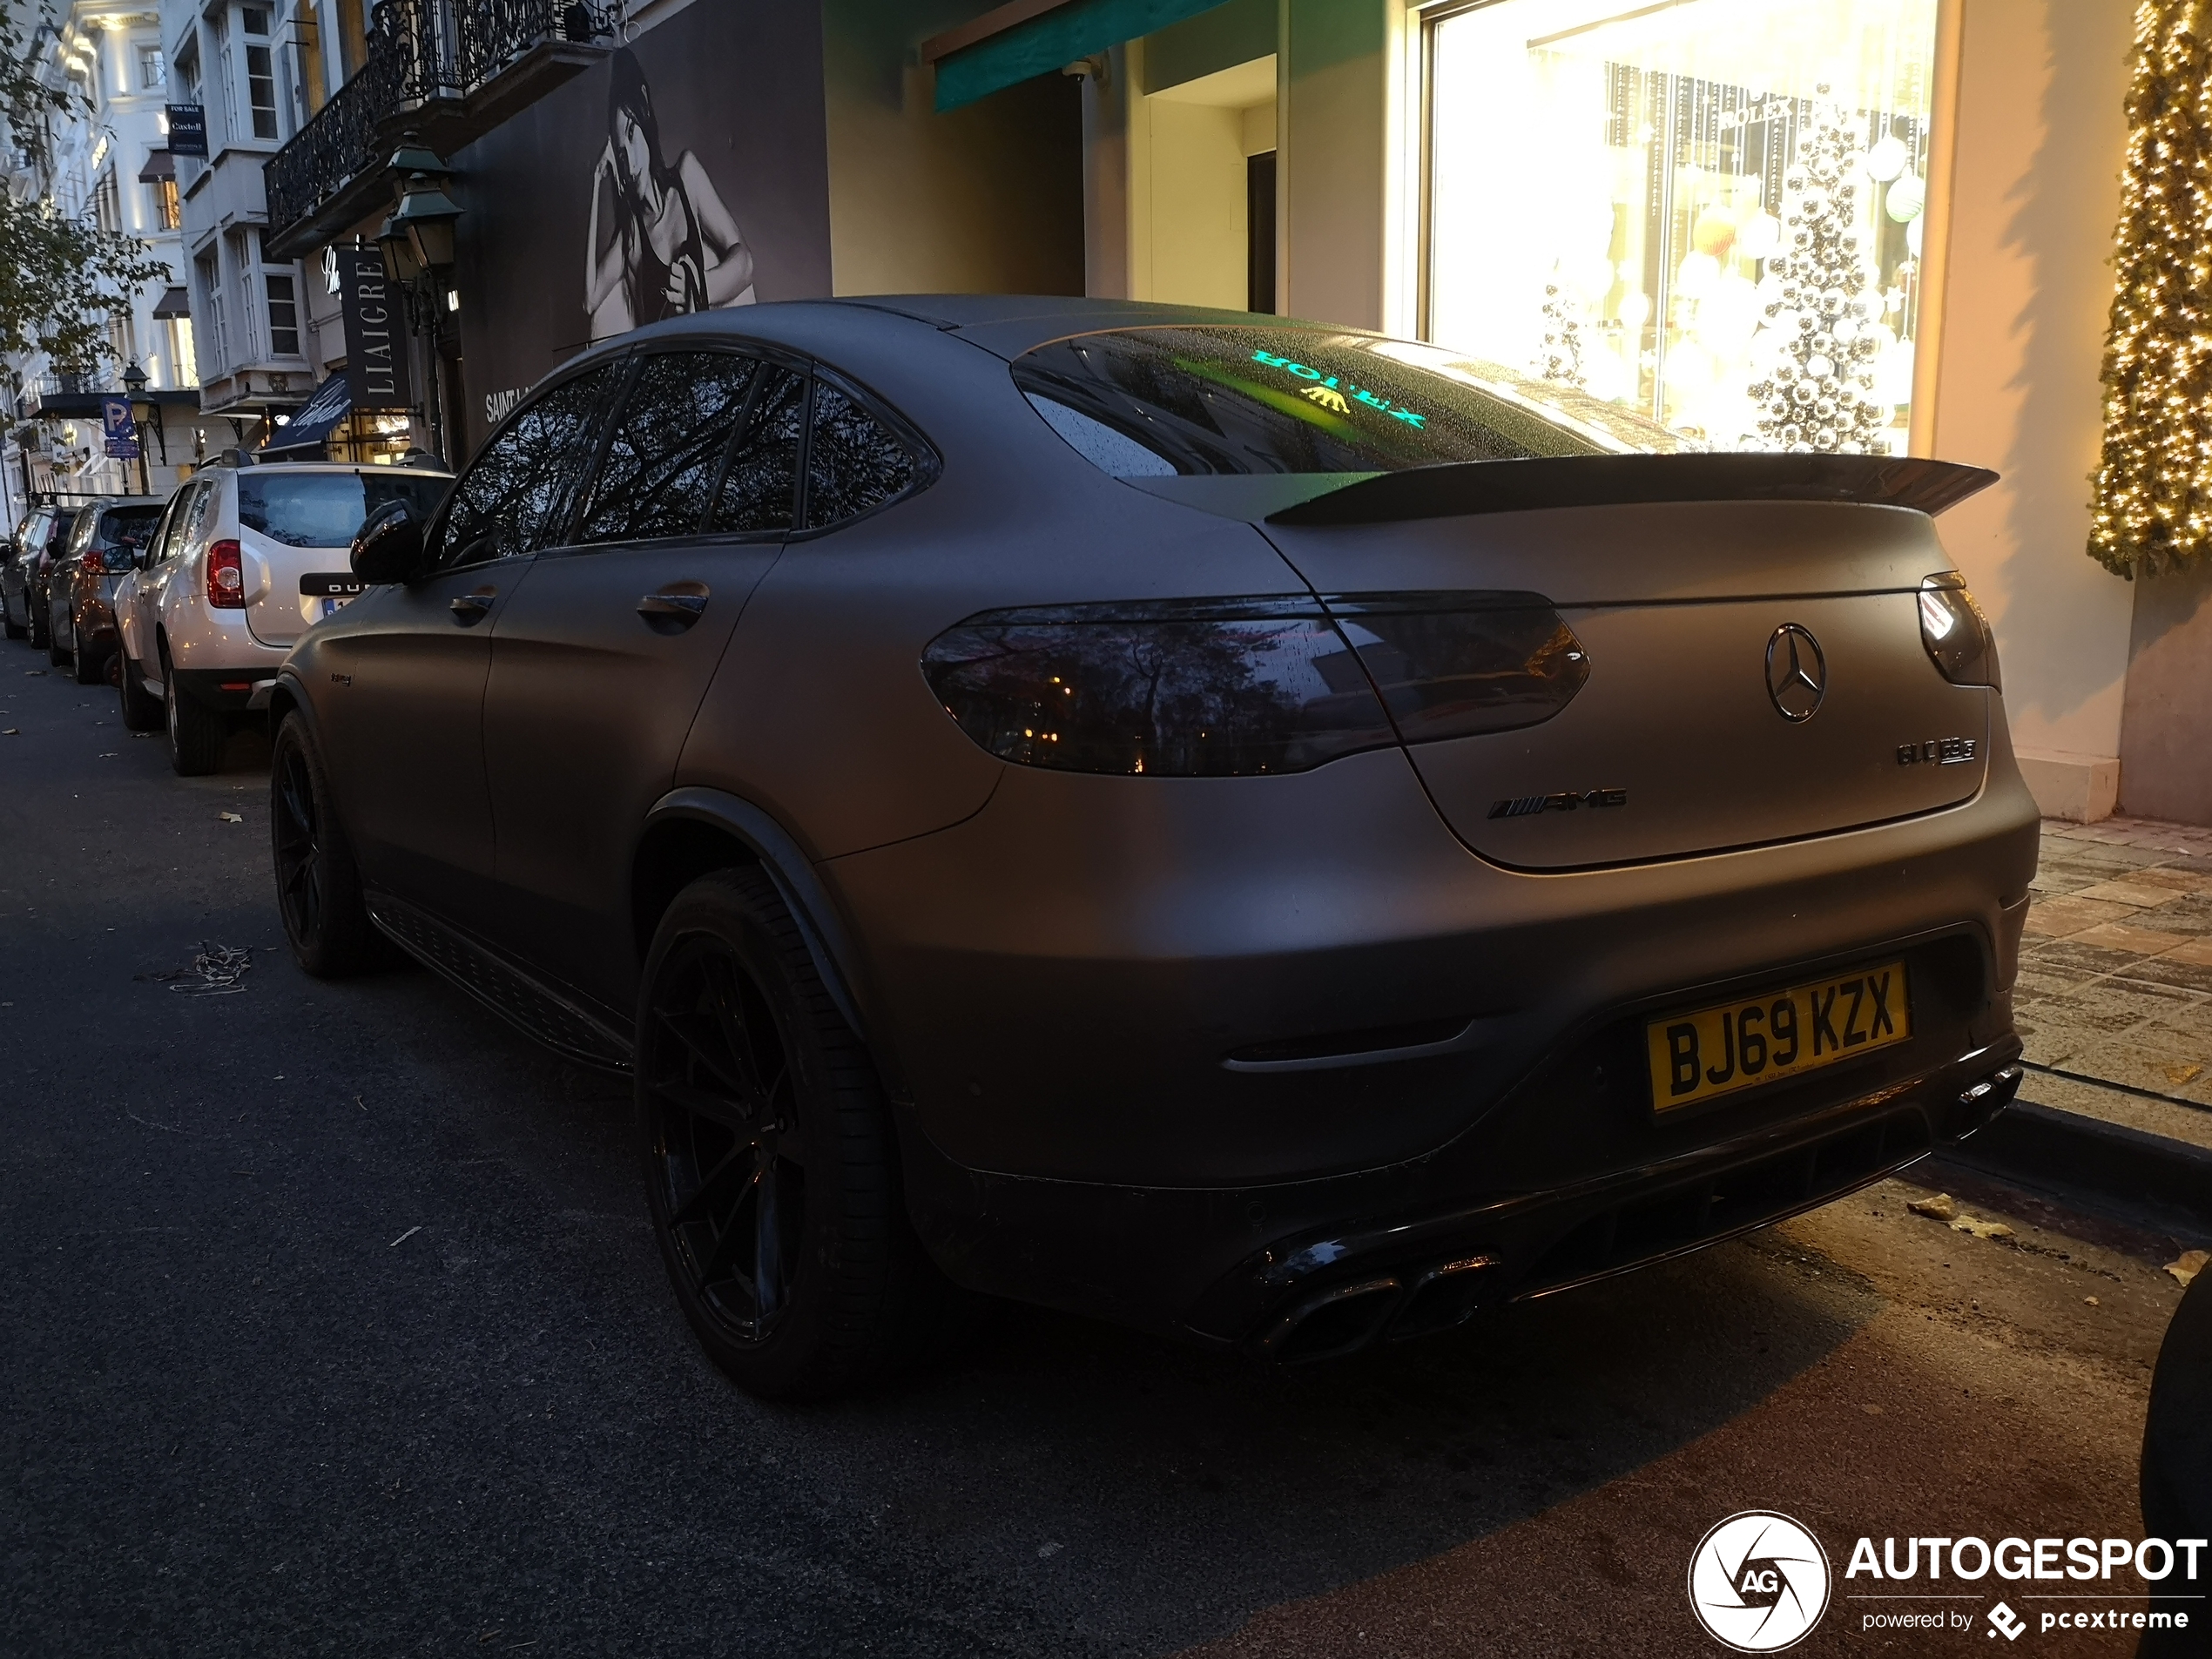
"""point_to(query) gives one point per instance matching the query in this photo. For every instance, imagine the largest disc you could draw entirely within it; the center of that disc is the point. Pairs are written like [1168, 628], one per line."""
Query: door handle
[471, 608]
[674, 607]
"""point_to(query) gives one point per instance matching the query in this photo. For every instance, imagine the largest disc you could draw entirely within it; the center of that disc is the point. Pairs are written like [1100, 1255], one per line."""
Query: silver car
[247, 558]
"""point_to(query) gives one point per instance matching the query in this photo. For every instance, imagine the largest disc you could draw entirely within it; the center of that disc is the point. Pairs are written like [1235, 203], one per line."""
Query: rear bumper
[229, 690]
[1107, 1008]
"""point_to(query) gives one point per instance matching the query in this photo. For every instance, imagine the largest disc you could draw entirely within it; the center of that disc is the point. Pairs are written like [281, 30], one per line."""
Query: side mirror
[389, 547]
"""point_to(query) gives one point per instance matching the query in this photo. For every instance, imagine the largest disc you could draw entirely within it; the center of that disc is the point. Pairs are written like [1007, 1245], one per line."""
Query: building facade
[107, 163]
[1639, 200]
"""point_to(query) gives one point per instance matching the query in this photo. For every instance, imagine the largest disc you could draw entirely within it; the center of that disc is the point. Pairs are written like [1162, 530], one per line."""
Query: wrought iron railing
[421, 53]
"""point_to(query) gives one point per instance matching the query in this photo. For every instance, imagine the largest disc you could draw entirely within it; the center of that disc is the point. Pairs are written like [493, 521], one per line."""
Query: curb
[2048, 1148]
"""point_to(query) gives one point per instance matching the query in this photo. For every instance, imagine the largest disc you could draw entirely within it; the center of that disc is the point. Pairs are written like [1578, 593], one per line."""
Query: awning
[1025, 38]
[160, 165]
[318, 416]
[173, 303]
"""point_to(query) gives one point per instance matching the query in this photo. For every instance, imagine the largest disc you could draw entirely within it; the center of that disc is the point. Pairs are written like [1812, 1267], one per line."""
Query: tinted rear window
[132, 524]
[1210, 399]
[326, 508]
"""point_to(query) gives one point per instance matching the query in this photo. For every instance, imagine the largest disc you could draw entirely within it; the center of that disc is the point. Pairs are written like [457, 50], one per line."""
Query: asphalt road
[330, 1323]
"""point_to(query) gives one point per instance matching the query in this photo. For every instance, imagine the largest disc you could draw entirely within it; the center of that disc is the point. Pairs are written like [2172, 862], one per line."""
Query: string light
[2152, 509]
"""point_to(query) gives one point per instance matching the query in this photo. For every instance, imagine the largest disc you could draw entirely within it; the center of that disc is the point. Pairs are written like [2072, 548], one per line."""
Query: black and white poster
[685, 171]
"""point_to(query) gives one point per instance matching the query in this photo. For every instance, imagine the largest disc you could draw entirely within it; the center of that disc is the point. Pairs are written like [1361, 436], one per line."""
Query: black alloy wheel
[319, 889]
[35, 613]
[770, 1160]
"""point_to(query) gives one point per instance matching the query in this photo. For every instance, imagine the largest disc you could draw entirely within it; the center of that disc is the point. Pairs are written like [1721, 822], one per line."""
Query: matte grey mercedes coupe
[1257, 830]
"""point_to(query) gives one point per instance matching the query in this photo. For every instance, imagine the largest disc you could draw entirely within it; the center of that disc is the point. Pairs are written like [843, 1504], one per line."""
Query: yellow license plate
[1717, 1050]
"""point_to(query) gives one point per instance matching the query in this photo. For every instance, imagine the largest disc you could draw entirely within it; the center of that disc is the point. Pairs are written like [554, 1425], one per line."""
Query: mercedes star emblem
[1796, 673]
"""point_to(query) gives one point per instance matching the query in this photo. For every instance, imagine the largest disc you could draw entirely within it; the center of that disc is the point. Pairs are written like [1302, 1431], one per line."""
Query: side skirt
[535, 1008]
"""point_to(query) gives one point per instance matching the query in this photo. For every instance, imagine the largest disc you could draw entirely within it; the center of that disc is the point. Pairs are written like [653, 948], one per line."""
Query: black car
[103, 543]
[1271, 833]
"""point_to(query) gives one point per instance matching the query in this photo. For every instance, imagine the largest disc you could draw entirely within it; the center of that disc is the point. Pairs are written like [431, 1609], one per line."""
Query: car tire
[90, 670]
[771, 1162]
[13, 629]
[57, 649]
[319, 885]
[35, 614]
[142, 710]
[196, 734]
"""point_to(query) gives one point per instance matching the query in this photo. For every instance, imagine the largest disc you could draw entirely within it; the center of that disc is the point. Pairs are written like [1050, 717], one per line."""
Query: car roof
[1005, 324]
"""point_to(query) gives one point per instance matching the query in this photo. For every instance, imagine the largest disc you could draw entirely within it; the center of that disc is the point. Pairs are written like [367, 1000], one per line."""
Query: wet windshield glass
[326, 508]
[1213, 399]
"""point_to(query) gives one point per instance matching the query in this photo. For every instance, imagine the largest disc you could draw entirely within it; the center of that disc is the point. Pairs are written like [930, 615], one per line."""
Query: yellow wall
[988, 198]
[1189, 210]
[2041, 140]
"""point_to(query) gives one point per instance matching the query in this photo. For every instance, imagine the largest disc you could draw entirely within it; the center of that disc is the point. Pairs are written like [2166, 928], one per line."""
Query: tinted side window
[667, 449]
[852, 463]
[80, 534]
[511, 498]
[757, 491]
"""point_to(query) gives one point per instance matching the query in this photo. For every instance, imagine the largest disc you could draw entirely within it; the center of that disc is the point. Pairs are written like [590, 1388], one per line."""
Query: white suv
[246, 559]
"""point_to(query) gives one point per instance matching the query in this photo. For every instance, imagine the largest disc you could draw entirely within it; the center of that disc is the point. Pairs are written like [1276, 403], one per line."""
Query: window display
[1708, 212]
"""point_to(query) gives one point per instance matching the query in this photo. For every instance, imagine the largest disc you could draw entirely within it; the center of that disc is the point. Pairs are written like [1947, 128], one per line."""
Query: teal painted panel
[1043, 45]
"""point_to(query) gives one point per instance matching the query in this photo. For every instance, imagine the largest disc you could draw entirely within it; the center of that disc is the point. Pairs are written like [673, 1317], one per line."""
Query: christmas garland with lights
[2152, 509]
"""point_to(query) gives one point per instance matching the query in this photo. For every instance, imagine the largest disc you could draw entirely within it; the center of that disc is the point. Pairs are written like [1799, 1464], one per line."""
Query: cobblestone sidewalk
[2115, 984]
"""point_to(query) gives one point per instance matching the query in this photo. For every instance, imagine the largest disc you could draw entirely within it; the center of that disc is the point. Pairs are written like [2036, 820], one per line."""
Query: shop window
[763, 476]
[852, 464]
[1708, 213]
[667, 450]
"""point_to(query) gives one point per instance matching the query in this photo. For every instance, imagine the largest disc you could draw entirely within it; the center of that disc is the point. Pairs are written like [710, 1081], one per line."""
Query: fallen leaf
[12, 732]
[2093, 1301]
[2190, 1264]
[231, 818]
[2178, 1075]
[1872, 1411]
[1992, 1229]
[1938, 1208]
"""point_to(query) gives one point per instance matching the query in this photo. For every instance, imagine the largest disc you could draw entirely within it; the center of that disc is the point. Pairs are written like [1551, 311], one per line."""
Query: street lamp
[426, 213]
[134, 387]
[417, 242]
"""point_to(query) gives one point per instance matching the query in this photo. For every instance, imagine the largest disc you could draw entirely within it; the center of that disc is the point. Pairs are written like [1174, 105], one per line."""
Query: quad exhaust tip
[1399, 1305]
[1342, 1320]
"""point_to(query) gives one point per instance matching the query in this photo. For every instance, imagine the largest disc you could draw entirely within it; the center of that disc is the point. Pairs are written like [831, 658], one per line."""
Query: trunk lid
[296, 527]
[1675, 744]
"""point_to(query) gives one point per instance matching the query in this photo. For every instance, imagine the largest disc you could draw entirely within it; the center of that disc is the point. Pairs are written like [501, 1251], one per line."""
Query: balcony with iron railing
[442, 72]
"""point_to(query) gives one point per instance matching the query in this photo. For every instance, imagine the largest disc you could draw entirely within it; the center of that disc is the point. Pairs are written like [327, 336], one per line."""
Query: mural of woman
[672, 247]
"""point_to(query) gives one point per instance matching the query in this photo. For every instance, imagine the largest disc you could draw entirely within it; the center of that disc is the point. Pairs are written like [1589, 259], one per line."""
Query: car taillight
[1452, 665]
[226, 577]
[1224, 688]
[92, 562]
[1956, 633]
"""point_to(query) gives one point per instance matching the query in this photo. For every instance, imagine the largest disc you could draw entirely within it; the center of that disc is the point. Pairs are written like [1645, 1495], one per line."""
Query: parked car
[246, 559]
[22, 583]
[103, 543]
[1267, 833]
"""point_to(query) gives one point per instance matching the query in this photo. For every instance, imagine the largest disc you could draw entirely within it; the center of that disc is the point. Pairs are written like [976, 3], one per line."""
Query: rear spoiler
[1464, 486]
